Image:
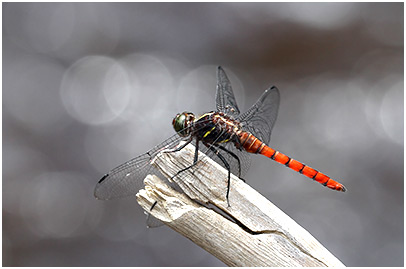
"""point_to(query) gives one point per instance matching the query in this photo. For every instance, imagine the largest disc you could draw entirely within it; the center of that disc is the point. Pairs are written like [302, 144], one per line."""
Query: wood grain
[261, 235]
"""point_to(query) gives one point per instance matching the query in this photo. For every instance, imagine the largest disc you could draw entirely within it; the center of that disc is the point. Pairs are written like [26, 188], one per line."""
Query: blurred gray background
[88, 86]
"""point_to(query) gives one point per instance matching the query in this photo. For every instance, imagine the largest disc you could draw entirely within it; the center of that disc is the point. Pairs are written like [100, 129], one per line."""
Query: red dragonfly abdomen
[253, 145]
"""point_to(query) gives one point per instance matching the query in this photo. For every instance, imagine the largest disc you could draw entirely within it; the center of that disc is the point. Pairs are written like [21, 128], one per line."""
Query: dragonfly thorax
[215, 128]
[182, 123]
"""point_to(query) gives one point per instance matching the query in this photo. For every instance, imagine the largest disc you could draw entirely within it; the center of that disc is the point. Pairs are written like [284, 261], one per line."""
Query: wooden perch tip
[261, 235]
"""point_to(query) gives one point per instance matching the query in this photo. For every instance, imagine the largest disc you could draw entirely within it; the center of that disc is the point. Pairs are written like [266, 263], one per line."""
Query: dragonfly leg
[217, 152]
[178, 148]
[235, 157]
[194, 159]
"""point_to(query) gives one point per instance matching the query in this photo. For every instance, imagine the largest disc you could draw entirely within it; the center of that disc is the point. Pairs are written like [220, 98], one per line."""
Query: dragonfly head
[182, 122]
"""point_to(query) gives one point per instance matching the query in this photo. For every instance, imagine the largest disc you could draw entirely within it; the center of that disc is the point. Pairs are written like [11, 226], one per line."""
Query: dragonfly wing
[260, 118]
[225, 100]
[127, 179]
[153, 222]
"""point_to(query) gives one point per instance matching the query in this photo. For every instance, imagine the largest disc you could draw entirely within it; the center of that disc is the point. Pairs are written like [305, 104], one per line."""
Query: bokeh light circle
[95, 90]
[53, 204]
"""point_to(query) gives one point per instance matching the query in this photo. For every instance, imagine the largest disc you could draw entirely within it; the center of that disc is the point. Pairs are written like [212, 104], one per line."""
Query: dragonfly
[227, 135]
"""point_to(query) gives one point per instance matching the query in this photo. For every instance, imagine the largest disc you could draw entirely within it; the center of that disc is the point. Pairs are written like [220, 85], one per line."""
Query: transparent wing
[260, 118]
[153, 222]
[225, 100]
[126, 179]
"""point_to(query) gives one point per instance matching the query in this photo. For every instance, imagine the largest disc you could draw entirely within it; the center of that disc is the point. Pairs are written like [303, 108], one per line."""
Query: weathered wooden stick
[262, 234]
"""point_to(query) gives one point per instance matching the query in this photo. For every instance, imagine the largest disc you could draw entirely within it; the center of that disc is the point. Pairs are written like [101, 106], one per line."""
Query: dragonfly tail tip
[343, 189]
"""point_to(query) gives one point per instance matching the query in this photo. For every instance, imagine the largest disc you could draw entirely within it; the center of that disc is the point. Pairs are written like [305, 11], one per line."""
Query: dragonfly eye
[181, 122]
